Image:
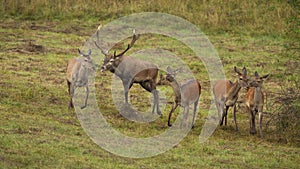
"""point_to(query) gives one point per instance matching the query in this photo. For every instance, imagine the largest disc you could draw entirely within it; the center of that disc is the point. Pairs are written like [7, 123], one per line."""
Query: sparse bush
[286, 117]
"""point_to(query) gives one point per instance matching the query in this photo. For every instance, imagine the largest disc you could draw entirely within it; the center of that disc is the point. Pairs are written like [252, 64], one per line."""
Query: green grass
[38, 131]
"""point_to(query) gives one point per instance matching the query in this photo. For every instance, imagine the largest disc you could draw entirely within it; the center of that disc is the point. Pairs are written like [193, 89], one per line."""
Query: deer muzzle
[103, 68]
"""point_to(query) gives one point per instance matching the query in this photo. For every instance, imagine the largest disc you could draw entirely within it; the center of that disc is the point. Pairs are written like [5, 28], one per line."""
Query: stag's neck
[176, 89]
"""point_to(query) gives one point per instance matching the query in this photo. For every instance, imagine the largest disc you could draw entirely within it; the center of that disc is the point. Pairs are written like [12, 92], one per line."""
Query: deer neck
[176, 89]
[116, 68]
[233, 91]
[257, 94]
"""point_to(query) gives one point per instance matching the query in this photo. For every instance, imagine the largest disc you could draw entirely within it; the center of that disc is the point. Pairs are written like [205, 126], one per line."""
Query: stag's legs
[150, 86]
[175, 105]
[195, 111]
[126, 86]
[234, 118]
[86, 97]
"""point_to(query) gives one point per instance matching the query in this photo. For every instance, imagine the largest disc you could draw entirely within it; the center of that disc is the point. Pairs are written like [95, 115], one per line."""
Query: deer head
[171, 74]
[242, 77]
[258, 81]
[88, 62]
[111, 62]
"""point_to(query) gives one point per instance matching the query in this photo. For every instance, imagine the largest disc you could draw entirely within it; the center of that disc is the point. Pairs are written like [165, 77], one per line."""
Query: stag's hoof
[82, 107]
[159, 113]
[169, 124]
[193, 126]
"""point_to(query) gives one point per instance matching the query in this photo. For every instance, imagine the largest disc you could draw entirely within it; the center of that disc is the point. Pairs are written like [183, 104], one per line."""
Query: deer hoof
[82, 107]
[169, 124]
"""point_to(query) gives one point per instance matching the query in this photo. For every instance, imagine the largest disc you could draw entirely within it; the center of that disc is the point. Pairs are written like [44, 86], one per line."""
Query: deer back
[222, 87]
[190, 92]
[136, 69]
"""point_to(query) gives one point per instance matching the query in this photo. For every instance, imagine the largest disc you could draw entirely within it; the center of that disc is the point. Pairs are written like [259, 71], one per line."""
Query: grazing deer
[185, 94]
[78, 70]
[131, 70]
[254, 100]
[226, 95]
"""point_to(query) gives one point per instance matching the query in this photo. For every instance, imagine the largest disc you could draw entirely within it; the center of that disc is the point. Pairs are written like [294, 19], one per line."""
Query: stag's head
[171, 74]
[258, 80]
[111, 61]
[242, 77]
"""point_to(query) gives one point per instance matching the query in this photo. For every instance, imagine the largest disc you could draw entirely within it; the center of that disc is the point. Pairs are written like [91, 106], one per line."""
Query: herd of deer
[131, 70]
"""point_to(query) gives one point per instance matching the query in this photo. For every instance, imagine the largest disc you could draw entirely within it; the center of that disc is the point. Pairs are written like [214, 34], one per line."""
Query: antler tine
[134, 38]
[97, 45]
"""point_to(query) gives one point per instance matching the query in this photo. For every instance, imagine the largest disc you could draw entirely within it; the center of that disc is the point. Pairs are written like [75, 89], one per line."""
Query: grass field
[38, 37]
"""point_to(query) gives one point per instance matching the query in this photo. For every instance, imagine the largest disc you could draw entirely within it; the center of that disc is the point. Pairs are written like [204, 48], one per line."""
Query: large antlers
[98, 46]
[134, 38]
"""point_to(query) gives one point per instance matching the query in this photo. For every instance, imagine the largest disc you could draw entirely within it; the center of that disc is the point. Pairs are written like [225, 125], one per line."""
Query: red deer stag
[78, 70]
[226, 95]
[131, 70]
[254, 100]
[185, 94]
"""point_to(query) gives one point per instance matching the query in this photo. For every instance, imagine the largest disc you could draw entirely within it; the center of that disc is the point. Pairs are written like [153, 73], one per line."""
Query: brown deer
[78, 70]
[254, 100]
[226, 95]
[185, 94]
[131, 70]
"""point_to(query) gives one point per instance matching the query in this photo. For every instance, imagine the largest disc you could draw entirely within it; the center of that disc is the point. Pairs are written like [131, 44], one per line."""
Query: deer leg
[69, 90]
[223, 108]
[218, 109]
[252, 119]
[156, 96]
[260, 116]
[175, 105]
[71, 96]
[185, 115]
[86, 97]
[195, 111]
[126, 86]
[146, 86]
[226, 110]
[234, 118]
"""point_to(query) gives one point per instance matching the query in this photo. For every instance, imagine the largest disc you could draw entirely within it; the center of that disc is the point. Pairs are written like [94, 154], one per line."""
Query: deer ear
[244, 70]
[79, 51]
[236, 71]
[256, 74]
[265, 76]
[89, 52]
[169, 70]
